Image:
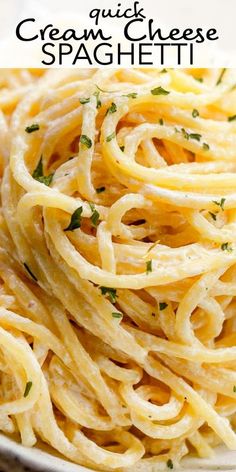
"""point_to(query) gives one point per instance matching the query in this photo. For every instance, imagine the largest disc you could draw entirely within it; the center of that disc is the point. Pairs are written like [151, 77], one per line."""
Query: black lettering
[139, 12]
[82, 49]
[54, 33]
[179, 45]
[162, 46]
[187, 34]
[18, 30]
[173, 33]
[210, 33]
[144, 53]
[153, 34]
[109, 55]
[95, 34]
[42, 31]
[199, 38]
[191, 54]
[126, 53]
[127, 32]
[95, 14]
[64, 50]
[44, 49]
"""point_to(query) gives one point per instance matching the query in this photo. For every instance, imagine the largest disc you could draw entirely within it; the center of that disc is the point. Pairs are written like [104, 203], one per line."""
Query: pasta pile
[118, 263]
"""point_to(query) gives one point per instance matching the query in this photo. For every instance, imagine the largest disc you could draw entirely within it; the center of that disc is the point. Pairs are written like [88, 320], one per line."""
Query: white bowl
[38, 460]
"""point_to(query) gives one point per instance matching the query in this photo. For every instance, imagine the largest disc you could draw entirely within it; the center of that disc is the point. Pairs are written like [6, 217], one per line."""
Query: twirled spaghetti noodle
[117, 260]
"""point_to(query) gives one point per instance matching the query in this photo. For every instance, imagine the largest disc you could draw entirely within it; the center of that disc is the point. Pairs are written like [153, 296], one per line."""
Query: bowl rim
[41, 461]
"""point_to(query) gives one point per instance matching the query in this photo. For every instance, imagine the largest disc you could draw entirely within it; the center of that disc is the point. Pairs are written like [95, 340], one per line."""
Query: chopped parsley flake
[161, 121]
[111, 292]
[148, 266]
[75, 221]
[159, 91]
[163, 71]
[27, 389]
[221, 77]
[184, 133]
[84, 100]
[213, 215]
[170, 464]
[232, 118]
[195, 113]
[187, 135]
[102, 90]
[122, 148]
[162, 306]
[97, 95]
[199, 79]
[195, 136]
[116, 314]
[206, 147]
[111, 109]
[38, 174]
[100, 189]
[234, 389]
[32, 128]
[110, 137]
[85, 141]
[220, 203]
[30, 272]
[95, 215]
[131, 95]
[226, 247]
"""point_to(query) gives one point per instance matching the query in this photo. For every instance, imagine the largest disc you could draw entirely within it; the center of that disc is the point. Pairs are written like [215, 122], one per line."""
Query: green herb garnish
[187, 135]
[195, 113]
[38, 174]
[116, 314]
[195, 136]
[234, 389]
[159, 91]
[184, 133]
[161, 121]
[85, 141]
[100, 189]
[30, 272]
[162, 306]
[163, 71]
[110, 137]
[220, 203]
[206, 147]
[213, 215]
[232, 118]
[148, 266]
[170, 464]
[221, 76]
[199, 79]
[122, 148]
[84, 100]
[32, 128]
[27, 389]
[75, 221]
[95, 215]
[111, 109]
[97, 95]
[131, 95]
[111, 292]
[226, 247]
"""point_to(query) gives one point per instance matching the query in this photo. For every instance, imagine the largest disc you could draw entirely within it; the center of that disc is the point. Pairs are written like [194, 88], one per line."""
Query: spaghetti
[117, 263]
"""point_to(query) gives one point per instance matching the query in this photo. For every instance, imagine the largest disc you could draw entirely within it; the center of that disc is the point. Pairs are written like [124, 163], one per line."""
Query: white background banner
[161, 33]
